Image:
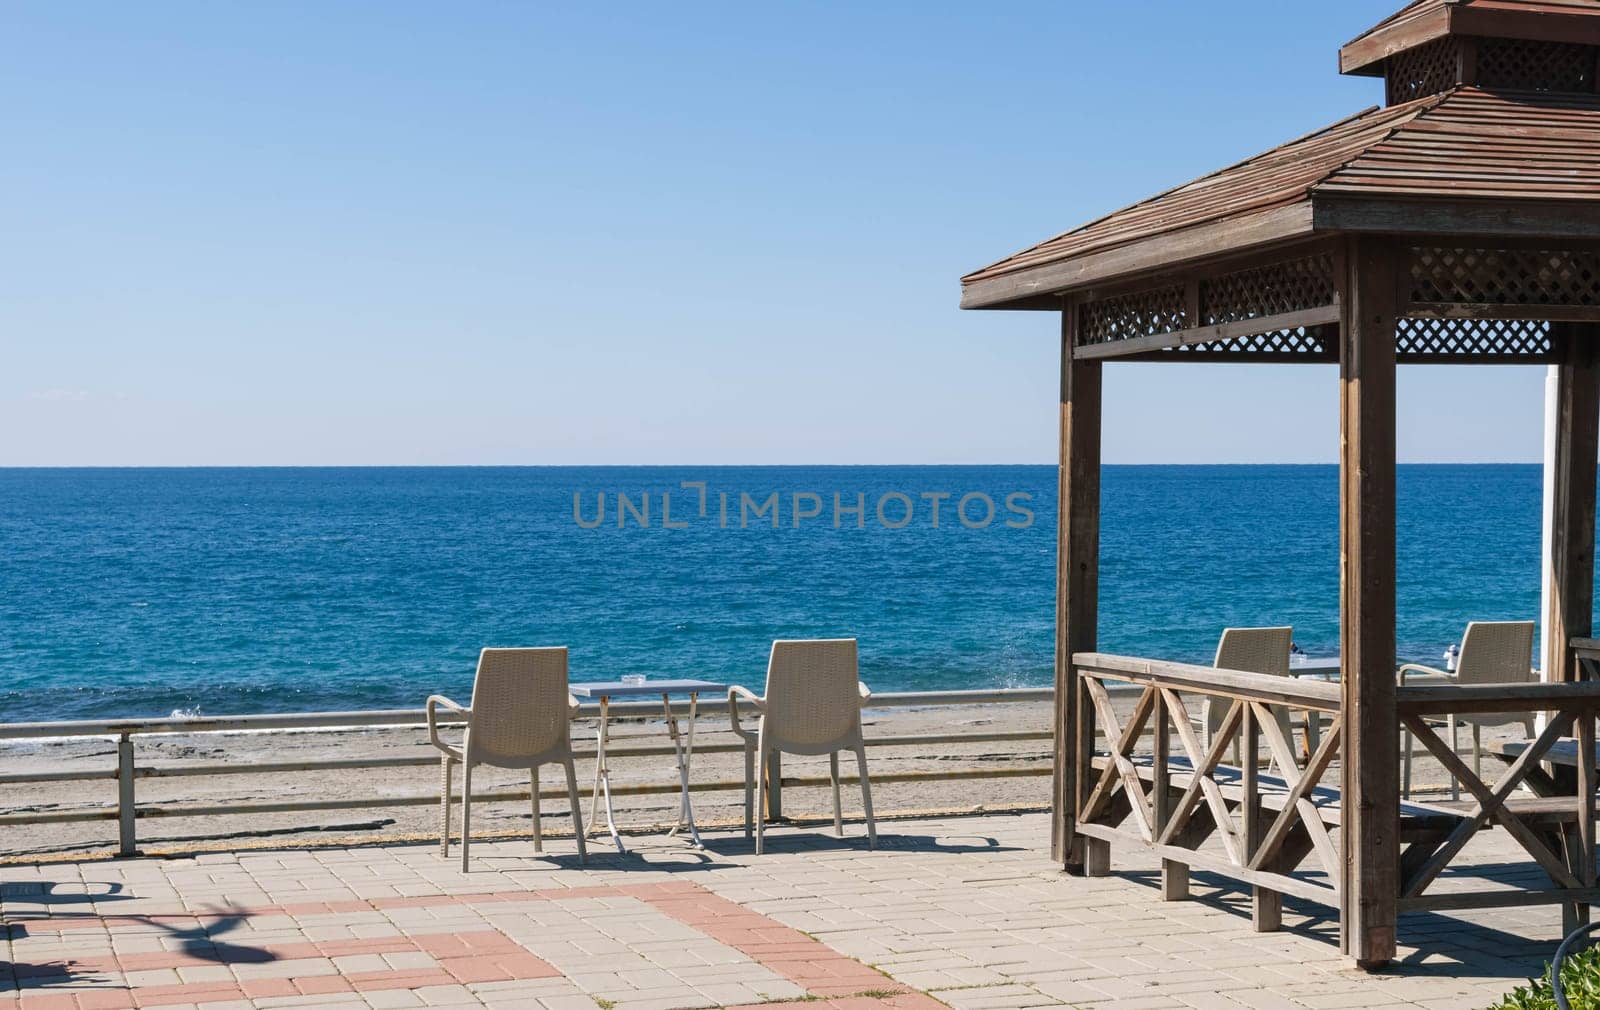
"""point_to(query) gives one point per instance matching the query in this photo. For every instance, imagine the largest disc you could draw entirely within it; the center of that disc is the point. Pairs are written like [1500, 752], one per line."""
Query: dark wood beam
[1545, 219]
[1371, 782]
[1077, 594]
[1321, 316]
[1573, 503]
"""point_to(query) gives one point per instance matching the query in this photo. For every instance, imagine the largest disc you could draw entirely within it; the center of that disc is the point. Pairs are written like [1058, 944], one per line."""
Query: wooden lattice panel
[1272, 290]
[1140, 314]
[1505, 276]
[1479, 340]
[1536, 66]
[1425, 70]
[1315, 342]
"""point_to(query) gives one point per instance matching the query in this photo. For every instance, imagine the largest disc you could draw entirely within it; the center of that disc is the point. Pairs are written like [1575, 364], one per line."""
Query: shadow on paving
[53, 894]
[789, 841]
[1432, 944]
[200, 942]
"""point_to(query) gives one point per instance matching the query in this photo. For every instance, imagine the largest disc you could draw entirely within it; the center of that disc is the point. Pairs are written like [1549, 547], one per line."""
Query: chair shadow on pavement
[202, 941]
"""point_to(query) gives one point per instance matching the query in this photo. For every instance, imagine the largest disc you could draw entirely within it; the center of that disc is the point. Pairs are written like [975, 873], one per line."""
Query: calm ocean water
[140, 592]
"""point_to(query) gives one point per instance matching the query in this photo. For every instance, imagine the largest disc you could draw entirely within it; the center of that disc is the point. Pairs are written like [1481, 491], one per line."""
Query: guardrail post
[128, 841]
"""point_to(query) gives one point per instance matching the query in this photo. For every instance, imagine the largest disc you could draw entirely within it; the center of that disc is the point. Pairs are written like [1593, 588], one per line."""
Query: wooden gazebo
[1459, 224]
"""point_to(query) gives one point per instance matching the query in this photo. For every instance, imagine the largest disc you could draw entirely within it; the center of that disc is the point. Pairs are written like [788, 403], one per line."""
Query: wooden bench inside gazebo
[1457, 224]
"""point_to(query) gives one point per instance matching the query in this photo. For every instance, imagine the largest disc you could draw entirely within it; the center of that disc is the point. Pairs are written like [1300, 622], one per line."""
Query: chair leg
[538, 829]
[466, 812]
[866, 796]
[1405, 761]
[749, 782]
[761, 788]
[445, 768]
[833, 777]
[577, 814]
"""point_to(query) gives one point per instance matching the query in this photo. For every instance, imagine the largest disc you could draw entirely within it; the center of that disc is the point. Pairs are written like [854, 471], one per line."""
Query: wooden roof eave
[1365, 56]
[1041, 286]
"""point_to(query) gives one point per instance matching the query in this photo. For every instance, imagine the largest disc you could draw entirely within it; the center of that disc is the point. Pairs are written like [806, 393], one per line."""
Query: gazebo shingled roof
[1463, 143]
[1459, 224]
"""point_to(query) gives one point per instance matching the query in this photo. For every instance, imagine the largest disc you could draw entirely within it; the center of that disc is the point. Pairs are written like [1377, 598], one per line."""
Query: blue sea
[140, 592]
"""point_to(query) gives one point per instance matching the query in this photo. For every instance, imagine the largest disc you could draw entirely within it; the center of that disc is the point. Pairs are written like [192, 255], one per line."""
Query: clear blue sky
[528, 233]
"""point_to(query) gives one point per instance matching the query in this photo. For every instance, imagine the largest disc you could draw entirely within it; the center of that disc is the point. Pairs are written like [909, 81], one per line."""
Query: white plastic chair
[1253, 650]
[812, 706]
[1492, 652]
[520, 718]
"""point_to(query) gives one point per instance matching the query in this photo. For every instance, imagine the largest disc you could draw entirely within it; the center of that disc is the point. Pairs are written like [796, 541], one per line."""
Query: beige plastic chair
[520, 716]
[812, 706]
[1492, 652]
[1250, 650]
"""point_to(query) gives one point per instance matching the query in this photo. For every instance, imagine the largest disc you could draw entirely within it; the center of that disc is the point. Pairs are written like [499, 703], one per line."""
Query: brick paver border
[832, 980]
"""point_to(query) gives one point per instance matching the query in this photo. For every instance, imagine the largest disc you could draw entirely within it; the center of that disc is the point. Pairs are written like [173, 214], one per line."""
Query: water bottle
[1450, 656]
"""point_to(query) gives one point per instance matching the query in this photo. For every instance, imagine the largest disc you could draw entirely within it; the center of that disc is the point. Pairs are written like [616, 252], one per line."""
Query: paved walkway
[964, 912]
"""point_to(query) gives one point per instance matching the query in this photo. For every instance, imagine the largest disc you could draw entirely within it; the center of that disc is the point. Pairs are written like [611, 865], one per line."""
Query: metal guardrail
[127, 812]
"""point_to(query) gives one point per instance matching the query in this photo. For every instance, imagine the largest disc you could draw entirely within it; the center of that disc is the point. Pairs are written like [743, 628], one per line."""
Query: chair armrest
[1430, 671]
[737, 694]
[573, 705]
[438, 701]
[866, 692]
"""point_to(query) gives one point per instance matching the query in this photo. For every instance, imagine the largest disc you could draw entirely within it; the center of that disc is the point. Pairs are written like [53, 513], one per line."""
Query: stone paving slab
[965, 913]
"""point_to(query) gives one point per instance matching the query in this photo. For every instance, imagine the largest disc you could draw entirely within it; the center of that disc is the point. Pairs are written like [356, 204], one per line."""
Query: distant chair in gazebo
[520, 718]
[1249, 650]
[1492, 652]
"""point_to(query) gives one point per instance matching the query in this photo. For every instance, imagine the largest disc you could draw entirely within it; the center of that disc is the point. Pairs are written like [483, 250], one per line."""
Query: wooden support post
[1573, 514]
[1571, 588]
[1174, 875]
[1077, 597]
[1580, 852]
[1371, 765]
[1266, 905]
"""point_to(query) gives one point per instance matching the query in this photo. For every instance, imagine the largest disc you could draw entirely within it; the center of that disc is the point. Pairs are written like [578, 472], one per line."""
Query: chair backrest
[1255, 650]
[519, 707]
[1250, 650]
[813, 694]
[1496, 652]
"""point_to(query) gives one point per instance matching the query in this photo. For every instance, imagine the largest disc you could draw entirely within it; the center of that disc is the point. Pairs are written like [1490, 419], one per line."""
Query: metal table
[1321, 667]
[682, 743]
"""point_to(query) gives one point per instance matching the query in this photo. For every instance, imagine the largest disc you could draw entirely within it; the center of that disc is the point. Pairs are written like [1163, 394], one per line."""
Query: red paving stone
[463, 957]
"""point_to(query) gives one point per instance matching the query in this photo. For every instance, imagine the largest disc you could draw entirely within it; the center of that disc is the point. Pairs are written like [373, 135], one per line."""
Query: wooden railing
[1555, 826]
[1244, 802]
[1269, 824]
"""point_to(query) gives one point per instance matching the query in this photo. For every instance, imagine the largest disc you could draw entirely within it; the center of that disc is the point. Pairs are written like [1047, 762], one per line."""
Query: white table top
[650, 688]
[1318, 666]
